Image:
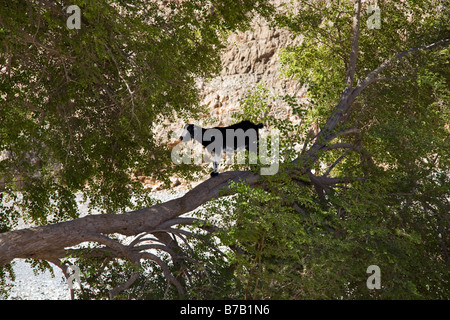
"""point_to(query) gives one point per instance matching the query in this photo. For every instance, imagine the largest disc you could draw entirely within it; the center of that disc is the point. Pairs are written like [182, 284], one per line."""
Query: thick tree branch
[51, 241]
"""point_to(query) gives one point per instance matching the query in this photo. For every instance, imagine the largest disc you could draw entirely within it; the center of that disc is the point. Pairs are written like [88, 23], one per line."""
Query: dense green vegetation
[373, 190]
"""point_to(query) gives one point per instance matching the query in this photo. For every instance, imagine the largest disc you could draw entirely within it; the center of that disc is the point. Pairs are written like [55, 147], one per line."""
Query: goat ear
[259, 126]
[190, 129]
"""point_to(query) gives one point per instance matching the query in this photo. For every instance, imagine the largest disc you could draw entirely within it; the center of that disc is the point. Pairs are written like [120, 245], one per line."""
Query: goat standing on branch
[219, 140]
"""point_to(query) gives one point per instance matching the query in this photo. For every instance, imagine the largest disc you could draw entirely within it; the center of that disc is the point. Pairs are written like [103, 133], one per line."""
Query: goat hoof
[214, 174]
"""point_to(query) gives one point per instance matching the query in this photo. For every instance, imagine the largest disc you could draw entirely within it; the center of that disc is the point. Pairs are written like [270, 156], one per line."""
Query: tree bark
[50, 242]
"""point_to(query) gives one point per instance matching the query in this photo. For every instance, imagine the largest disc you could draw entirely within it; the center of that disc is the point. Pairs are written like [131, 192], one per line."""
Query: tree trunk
[49, 242]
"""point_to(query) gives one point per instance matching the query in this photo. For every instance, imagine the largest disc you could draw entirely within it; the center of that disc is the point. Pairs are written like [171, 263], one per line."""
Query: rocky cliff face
[251, 57]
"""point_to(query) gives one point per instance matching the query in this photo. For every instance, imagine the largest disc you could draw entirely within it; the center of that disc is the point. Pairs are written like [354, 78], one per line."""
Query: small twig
[124, 286]
[165, 268]
[133, 115]
[335, 163]
[342, 145]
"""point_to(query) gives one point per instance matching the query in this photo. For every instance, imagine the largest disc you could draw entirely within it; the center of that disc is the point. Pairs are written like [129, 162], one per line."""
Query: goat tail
[259, 126]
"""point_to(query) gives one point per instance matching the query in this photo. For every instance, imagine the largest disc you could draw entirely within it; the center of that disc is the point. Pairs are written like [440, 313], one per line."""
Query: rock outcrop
[251, 57]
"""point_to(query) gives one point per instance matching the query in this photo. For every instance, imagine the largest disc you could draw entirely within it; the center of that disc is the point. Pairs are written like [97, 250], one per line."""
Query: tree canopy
[84, 103]
[370, 187]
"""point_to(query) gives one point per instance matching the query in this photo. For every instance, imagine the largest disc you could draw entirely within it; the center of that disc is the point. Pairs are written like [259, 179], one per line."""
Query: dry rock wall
[251, 57]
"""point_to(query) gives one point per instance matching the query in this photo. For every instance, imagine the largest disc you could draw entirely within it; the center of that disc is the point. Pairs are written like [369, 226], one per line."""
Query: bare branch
[124, 286]
[157, 247]
[342, 145]
[335, 163]
[372, 76]
[344, 133]
[349, 95]
[355, 43]
[63, 268]
[114, 245]
[170, 278]
[180, 232]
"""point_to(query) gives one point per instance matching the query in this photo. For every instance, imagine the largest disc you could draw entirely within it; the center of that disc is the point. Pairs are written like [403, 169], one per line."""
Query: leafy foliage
[293, 236]
[295, 244]
[79, 109]
[395, 215]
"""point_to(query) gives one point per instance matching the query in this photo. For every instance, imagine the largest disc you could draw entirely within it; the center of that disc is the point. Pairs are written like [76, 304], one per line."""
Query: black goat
[218, 140]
